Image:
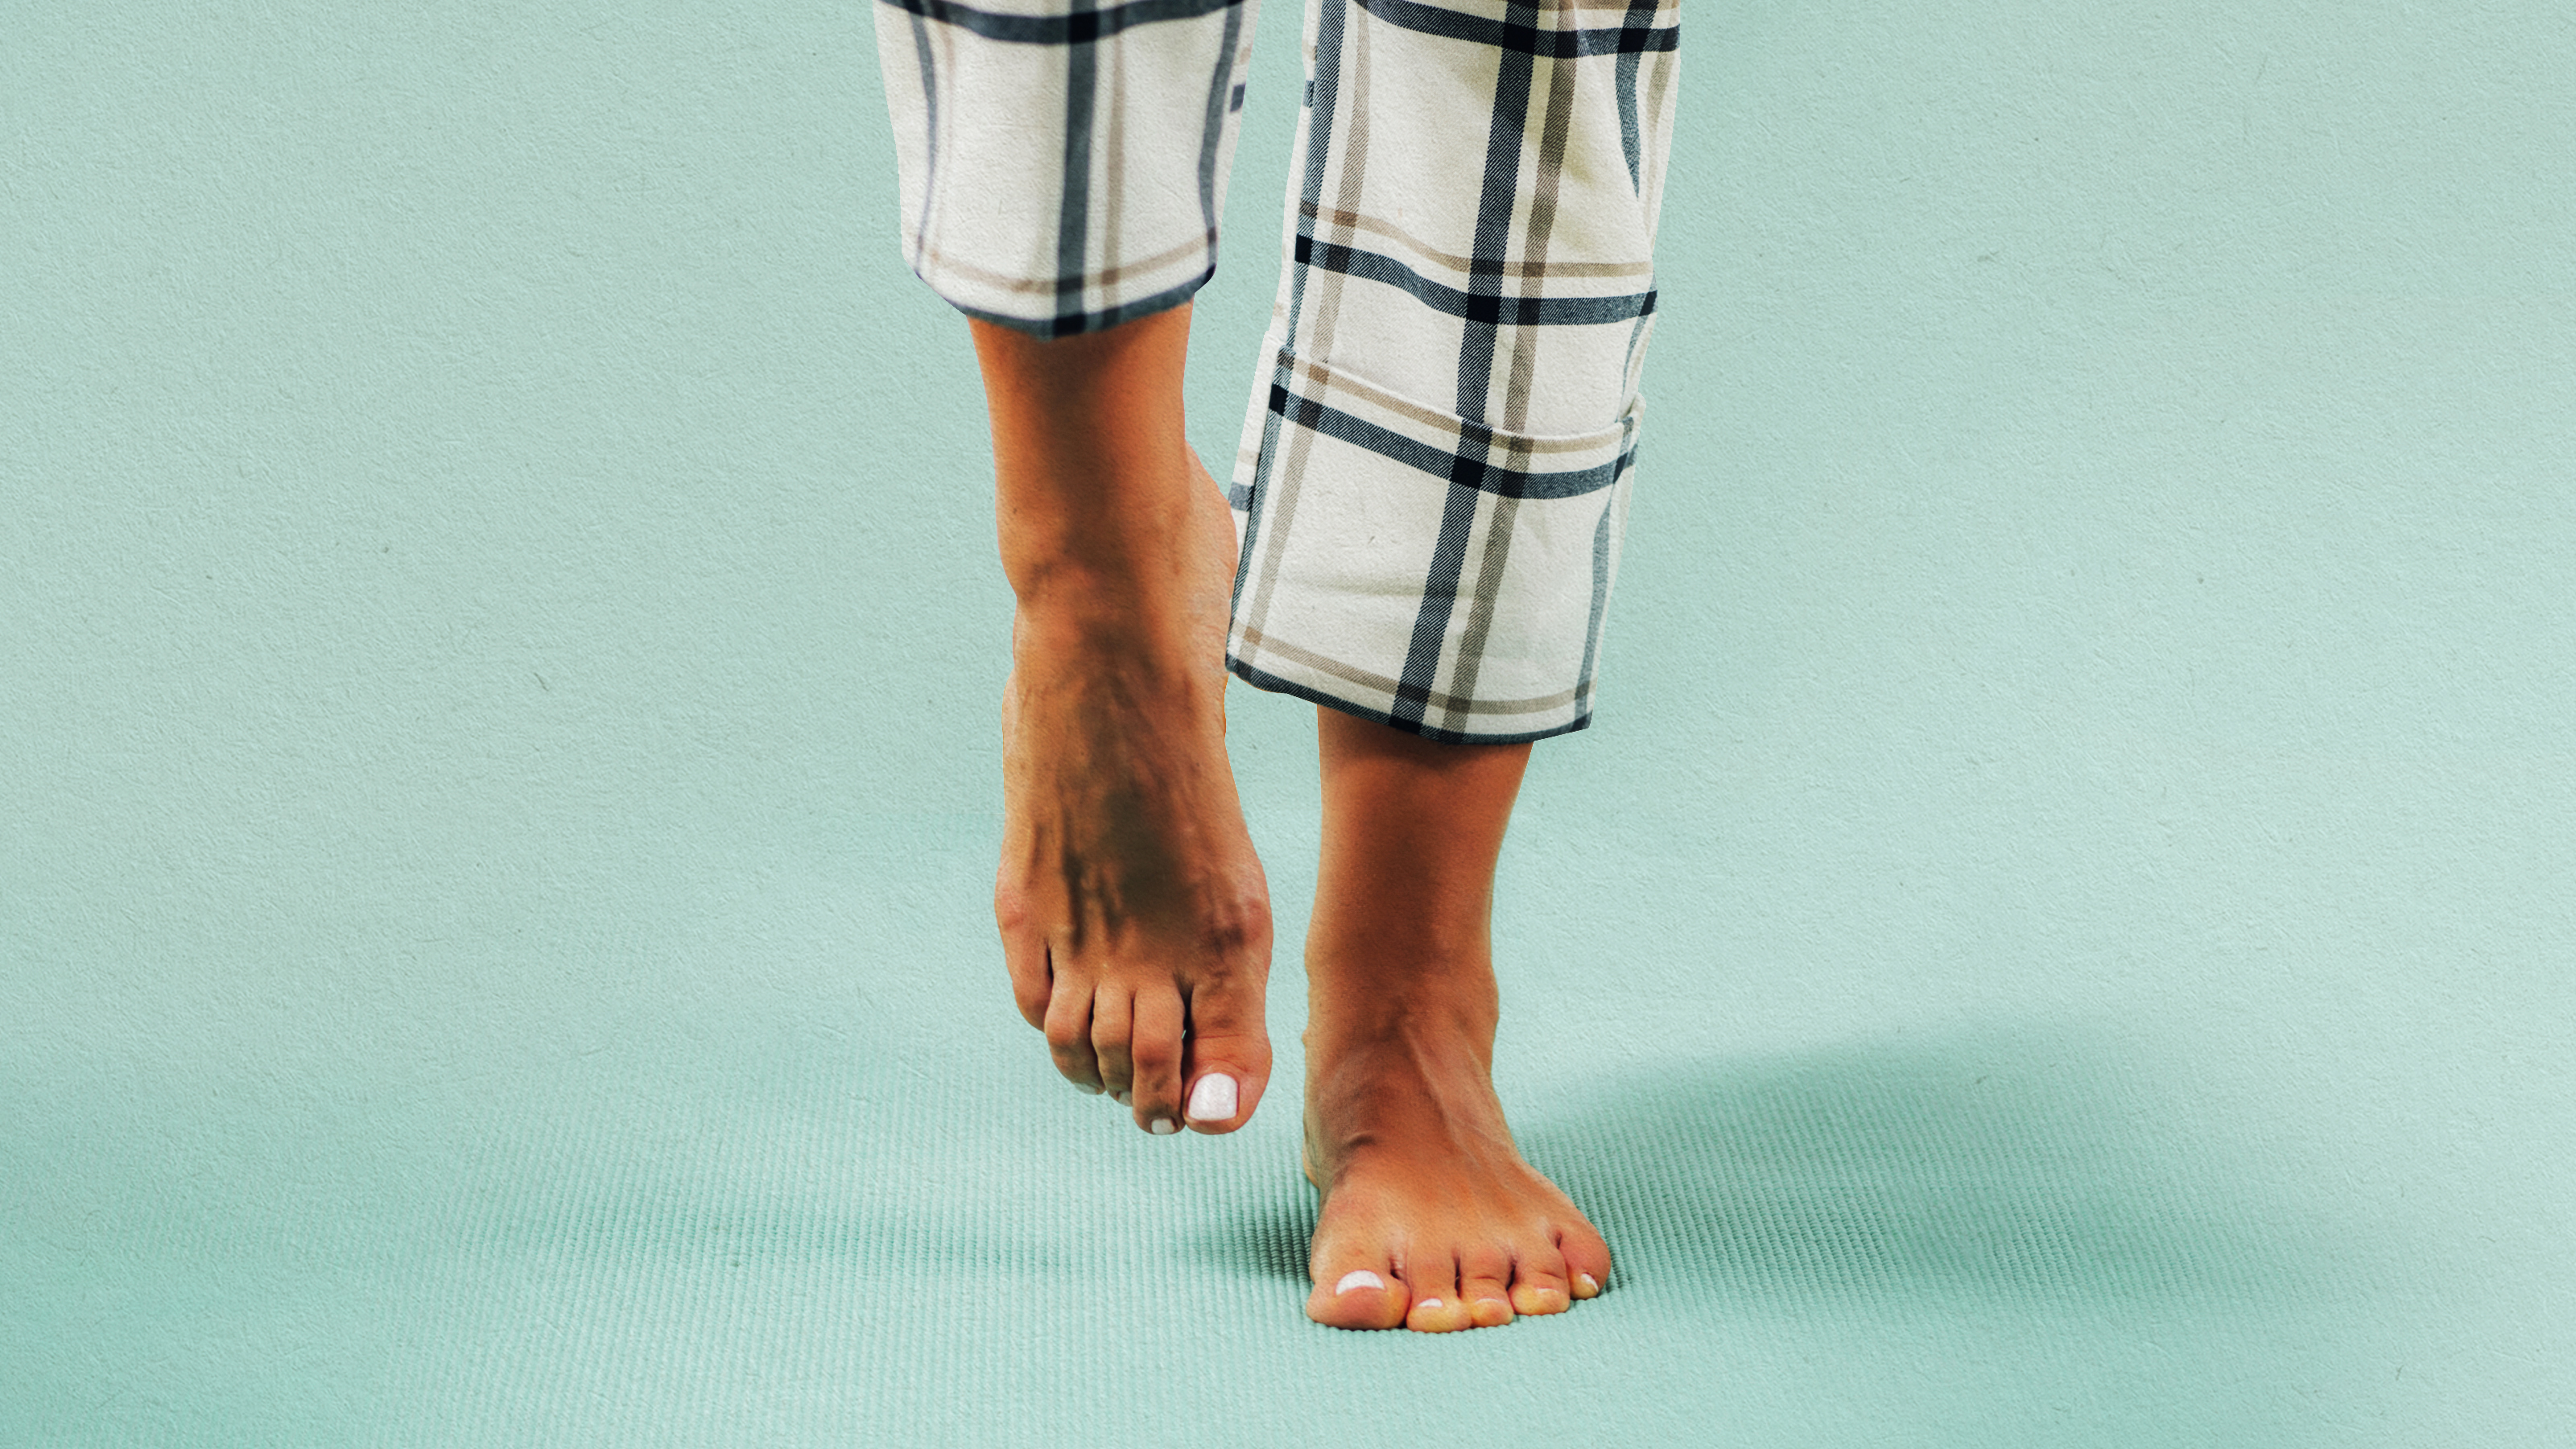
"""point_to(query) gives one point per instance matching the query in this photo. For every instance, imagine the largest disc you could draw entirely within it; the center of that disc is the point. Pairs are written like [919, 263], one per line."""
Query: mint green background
[2059, 935]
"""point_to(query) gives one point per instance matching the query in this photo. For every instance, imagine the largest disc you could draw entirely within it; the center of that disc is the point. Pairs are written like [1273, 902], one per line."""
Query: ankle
[1422, 1014]
[1103, 603]
[1114, 635]
[1098, 537]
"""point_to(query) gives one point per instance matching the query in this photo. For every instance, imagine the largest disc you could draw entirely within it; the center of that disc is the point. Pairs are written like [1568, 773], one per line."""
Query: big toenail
[1358, 1278]
[1164, 1127]
[1212, 1100]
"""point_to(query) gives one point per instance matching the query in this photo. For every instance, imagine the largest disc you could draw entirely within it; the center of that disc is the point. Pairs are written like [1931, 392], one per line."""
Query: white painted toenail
[1586, 1280]
[1428, 1303]
[1087, 1089]
[1358, 1278]
[1124, 1099]
[1212, 1100]
[1164, 1127]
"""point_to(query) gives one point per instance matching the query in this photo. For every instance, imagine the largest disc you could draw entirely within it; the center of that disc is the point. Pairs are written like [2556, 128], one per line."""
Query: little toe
[1358, 1298]
[1154, 1052]
[1068, 1034]
[1587, 1261]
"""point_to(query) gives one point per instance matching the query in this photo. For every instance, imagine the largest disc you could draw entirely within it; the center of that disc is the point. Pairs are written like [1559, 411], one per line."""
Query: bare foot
[1431, 1221]
[1134, 916]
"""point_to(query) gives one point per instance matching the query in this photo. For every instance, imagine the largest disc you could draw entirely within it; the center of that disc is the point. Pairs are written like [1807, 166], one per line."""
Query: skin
[1134, 916]
[1405, 1138]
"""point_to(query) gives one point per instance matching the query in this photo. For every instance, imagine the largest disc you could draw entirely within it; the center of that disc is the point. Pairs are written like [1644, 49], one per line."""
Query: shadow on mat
[1973, 1169]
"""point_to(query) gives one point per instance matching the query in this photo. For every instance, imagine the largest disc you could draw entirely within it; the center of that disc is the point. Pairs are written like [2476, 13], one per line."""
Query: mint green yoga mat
[2059, 935]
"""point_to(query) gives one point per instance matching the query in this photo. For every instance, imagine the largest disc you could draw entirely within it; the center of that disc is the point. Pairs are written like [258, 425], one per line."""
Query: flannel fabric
[1434, 476]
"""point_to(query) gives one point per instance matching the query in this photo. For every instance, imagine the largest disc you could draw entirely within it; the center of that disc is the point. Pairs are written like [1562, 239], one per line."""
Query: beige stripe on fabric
[1323, 301]
[1111, 195]
[1440, 427]
[1464, 265]
[1047, 285]
[1351, 673]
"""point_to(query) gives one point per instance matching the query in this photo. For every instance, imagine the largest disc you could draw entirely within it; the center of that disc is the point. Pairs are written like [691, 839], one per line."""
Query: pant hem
[1262, 679]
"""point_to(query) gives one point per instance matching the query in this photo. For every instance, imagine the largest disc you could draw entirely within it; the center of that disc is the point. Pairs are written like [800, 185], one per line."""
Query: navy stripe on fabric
[1059, 29]
[1641, 16]
[1497, 199]
[1521, 38]
[1444, 463]
[1600, 593]
[1073, 219]
[1407, 14]
[1224, 92]
[1371, 266]
[1071, 323]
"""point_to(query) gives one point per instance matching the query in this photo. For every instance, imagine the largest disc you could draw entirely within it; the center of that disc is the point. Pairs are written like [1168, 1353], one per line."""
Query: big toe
[1357, 1297]
[1227, 1064]
[1226, 1079]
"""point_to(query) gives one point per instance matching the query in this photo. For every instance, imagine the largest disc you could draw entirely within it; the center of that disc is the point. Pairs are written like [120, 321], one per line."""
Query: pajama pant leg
[1434, 475]
[1063, 164]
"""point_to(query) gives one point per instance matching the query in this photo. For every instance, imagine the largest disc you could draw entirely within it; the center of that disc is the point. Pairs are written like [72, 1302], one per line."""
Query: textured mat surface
[2060, 935]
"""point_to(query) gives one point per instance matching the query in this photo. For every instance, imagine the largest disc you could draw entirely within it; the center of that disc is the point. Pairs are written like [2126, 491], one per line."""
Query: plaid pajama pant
[1433, 479]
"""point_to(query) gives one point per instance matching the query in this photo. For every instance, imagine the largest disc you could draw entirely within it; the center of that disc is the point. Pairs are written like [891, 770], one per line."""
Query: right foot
[1430, 1219]
[1134, 916]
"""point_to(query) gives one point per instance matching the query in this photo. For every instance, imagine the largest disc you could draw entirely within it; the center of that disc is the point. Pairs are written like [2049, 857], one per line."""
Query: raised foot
[1135, 919]
[1431, 1221]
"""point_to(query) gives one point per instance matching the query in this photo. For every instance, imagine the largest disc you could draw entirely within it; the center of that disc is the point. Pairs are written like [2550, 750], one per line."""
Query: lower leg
[1430, 1219]
[1134, 916]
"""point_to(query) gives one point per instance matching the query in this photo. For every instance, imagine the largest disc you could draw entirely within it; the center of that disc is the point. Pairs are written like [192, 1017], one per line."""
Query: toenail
[1123, 1099]
[1358, 1278]
[1163, 1127]
[1429, 1303]
[1212, 1100]
[1087, 1089]
[1584, 1280]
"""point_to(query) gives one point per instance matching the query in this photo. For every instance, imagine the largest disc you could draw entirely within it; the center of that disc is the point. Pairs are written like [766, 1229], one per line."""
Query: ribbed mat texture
[2059, 934]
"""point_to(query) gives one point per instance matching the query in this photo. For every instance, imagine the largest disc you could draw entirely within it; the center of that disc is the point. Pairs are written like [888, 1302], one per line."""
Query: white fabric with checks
[1434, 476]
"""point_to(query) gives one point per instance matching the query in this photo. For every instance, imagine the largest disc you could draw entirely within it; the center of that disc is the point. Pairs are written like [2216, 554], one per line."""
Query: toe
[1024, 952]
[1587, 1260]
[1539, 1288]
[1112, 1022]
[1489, 1303]
[1483, 1274]
[1436, 1306]
[1228, 1041]
[1351, 1296]
[1154, 1052]
[1067, 1025]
